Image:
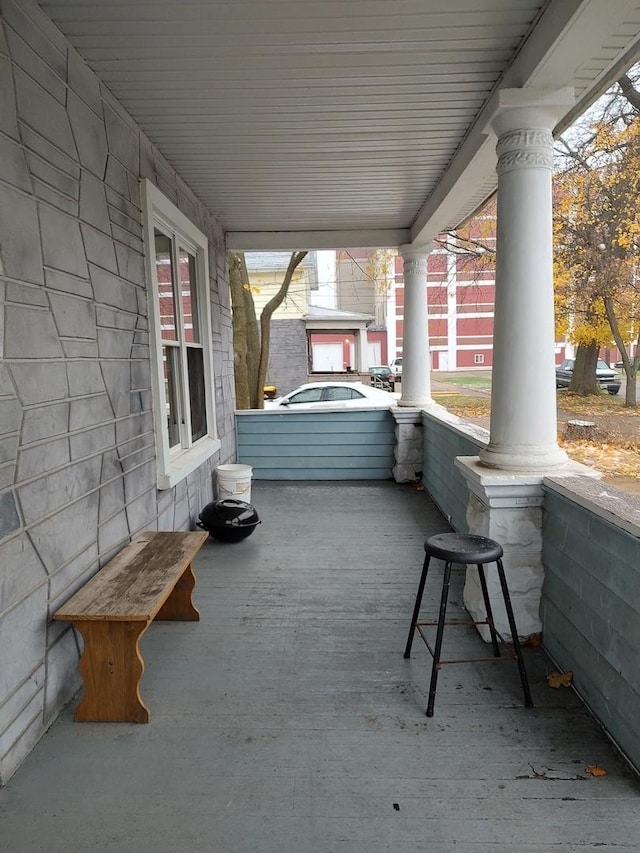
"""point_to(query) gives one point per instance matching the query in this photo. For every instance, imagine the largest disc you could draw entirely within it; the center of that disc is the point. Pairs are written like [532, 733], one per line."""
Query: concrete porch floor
[288, 720]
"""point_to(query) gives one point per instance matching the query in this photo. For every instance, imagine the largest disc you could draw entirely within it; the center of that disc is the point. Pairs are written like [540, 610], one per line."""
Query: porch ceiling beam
[273, 241]
[551, 58]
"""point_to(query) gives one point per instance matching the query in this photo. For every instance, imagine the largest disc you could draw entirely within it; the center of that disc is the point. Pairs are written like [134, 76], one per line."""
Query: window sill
[184, 463]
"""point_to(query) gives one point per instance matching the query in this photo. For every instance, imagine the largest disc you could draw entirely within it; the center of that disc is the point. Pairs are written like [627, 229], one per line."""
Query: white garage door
[327, 358]
[374, 349]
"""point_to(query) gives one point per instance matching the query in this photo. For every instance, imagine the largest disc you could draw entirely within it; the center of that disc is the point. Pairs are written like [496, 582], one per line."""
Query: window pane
[195, 362]
[341, 393]
[189, 293]
[166, 289]
[309, 395]
[170, 360]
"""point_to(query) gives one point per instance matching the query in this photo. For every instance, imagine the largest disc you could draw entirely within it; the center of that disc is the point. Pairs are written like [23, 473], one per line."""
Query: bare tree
[251, 343]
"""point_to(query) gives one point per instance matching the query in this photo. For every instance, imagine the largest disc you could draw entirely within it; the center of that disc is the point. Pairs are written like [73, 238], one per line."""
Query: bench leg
[180, 604]
[111, 666]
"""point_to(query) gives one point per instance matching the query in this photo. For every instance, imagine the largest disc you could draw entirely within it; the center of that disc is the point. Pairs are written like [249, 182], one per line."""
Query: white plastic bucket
[234, 481]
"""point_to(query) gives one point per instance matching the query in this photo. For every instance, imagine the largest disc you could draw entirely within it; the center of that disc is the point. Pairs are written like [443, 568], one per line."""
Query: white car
[333, 395]
[396, 368]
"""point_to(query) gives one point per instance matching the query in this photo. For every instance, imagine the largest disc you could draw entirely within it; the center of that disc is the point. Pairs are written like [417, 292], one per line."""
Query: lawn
[615, 448]
[474, 381]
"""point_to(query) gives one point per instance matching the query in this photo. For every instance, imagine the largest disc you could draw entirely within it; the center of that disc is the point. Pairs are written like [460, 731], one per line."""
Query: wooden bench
[151, 578]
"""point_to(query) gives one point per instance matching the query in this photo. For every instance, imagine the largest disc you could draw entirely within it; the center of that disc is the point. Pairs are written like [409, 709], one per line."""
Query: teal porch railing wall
[590, 606]
[317, 445]
[444, 440]
[591, 600]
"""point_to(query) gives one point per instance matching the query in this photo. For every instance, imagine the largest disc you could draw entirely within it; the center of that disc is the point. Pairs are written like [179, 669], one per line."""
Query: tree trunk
[253, 340]
[245, 332]
[239, 326]
[630, 395]
[630, 365]
[628, 90]
[580, 430]
[265, 323]
[584, 381]
[250, 344]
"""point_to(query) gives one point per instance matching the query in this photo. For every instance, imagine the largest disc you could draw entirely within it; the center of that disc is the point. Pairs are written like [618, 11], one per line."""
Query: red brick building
[460, 296]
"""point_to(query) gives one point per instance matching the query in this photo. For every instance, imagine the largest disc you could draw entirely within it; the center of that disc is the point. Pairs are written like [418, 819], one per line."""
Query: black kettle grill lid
[229, 511]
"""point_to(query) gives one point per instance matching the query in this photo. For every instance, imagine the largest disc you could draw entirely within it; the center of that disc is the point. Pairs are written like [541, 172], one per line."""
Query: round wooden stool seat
[463, 548]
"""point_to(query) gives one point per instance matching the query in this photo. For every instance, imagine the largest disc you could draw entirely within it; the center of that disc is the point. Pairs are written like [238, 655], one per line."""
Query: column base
[417, 402]
[507, 506]
[408, 447]
[539, 458]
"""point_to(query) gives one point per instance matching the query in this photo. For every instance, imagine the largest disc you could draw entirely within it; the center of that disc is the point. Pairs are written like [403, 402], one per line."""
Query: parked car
[396, 368]
[607, 376]
[333, 395]
[382, 377]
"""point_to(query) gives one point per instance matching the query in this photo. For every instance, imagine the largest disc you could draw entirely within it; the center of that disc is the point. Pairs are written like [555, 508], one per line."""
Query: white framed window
[478, 358]
[176, 256]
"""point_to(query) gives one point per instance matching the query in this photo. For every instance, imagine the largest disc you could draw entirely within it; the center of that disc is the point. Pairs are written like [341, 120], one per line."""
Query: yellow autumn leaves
[597, 236]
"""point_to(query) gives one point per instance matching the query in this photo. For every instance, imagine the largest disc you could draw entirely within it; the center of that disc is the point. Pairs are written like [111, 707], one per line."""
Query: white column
[362, 356]
[506, 480]
[325, 295]
[416, 366]
[391, 317]
[452, 310]
[523, 432]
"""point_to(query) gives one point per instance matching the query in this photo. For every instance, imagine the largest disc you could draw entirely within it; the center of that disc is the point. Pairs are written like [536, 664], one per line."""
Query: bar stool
[464, 548]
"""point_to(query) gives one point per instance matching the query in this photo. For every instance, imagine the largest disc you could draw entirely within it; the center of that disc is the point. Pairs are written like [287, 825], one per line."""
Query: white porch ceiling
[334, 123]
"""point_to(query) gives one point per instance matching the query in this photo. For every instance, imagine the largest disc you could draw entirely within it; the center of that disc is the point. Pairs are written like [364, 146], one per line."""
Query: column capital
[414, 262]
[525, 147]
[519, 109]
[409, 252]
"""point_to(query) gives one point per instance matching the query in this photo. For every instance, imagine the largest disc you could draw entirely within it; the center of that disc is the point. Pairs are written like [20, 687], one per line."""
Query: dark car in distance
[382, 377]
[607, 376]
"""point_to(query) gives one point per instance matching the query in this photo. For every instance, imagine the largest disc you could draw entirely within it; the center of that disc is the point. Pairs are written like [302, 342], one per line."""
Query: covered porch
[129, 127]
[287, 719]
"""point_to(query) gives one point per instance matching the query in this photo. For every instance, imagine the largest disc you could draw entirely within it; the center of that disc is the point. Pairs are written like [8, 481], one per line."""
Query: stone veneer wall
[288, 355]
[77, 456]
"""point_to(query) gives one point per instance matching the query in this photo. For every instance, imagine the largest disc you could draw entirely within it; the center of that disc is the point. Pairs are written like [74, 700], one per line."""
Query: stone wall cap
[465, 428]
[405, 414]
[614, 505]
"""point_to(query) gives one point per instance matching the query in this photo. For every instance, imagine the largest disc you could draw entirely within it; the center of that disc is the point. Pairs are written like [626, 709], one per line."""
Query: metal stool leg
[439, 634]
[487, 607]
[528, 701]
[416, 609]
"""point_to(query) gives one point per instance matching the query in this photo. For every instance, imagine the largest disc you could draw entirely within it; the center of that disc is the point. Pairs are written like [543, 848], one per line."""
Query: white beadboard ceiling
[329, 123]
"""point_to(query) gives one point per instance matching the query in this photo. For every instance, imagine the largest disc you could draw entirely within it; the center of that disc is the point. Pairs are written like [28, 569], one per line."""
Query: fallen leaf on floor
[594, 770]
[560, 679]
[550, 774]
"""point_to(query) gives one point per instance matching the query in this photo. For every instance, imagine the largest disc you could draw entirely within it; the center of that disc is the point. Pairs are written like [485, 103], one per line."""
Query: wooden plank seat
[151, 578]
